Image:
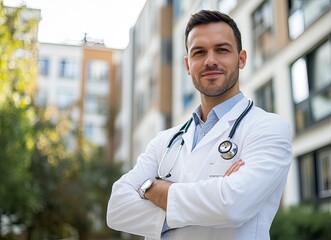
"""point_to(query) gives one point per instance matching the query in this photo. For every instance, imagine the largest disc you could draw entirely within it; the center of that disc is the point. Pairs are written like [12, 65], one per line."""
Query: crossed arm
[158, 192]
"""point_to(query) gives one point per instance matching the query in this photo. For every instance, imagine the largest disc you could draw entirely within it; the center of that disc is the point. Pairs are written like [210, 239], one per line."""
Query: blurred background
[76, 111]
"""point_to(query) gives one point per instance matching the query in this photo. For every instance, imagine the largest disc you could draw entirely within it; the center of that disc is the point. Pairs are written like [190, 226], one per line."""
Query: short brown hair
[208, 16]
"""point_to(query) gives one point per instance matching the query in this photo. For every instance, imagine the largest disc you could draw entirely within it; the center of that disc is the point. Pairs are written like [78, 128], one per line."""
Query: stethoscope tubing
[228, 154]
[181, 131]
[242, 115]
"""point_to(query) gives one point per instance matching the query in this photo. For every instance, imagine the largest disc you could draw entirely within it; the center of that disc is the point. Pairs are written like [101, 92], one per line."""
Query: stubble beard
[214, 91]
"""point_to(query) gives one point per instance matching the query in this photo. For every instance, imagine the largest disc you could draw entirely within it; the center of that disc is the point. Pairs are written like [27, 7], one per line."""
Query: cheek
[230, 63]
[195, 67]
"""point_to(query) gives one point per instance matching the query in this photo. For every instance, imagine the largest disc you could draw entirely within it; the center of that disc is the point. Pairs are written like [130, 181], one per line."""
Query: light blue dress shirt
[202, 128]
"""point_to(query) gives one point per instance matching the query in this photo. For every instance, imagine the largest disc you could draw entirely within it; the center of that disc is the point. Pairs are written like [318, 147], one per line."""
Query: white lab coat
[200, 205]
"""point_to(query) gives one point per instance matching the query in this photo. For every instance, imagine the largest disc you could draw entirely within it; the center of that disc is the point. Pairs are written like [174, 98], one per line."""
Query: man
[224, 176]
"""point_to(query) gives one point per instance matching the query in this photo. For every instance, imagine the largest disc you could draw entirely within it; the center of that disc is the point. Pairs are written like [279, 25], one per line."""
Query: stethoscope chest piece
[228, 149]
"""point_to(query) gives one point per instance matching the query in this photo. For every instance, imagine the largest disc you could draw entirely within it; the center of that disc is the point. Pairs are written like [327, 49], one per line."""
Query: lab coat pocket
[218, 169]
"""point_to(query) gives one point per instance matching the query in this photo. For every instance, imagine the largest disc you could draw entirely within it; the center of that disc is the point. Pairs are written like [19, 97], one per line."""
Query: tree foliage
[48, 190]
[17, 75]
[301, 222]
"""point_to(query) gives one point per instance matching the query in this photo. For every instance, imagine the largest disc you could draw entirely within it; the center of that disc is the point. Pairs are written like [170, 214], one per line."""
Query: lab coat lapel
[224, 124]
[188, 137]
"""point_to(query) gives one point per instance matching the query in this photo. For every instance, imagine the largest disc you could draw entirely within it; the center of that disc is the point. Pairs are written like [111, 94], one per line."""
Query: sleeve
[126, 211]
[231, 201]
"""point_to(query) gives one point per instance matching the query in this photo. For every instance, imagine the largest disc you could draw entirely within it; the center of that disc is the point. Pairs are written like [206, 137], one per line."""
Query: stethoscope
[227, 148]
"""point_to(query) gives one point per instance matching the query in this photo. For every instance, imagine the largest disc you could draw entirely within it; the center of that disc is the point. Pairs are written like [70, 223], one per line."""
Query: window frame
[317, 196]
[269, 85]
[306, 120]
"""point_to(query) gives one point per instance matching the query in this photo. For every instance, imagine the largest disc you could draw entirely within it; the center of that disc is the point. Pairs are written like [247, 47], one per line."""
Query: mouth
[212, 73]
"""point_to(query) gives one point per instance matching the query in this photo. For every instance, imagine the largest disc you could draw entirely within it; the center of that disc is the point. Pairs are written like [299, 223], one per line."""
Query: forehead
[211, 33]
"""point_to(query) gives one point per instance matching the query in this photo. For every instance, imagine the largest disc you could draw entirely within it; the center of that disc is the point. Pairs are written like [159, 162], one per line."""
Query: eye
[222, 50]
[198, 53]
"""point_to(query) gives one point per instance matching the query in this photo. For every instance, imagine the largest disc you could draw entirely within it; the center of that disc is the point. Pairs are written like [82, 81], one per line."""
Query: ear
[187, 65]
[242, 59]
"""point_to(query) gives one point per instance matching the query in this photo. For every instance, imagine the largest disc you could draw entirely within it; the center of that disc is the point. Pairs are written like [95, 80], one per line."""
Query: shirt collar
[219, 110]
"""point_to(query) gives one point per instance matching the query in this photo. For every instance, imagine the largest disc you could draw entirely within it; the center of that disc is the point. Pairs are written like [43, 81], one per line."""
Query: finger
[237, 166]
[234, 167]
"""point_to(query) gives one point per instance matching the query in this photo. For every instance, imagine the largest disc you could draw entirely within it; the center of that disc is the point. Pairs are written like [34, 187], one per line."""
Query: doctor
[220, 175]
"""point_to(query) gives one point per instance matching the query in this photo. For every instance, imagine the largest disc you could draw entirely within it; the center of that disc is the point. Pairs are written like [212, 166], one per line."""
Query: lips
[211, 73]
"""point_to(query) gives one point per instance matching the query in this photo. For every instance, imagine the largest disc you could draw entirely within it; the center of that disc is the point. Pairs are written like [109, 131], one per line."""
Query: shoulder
[258, 114]
[268, 122]
[167, 134]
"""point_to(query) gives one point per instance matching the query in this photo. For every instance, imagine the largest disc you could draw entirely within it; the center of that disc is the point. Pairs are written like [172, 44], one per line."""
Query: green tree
[48, 189]
[17, 76]
[301, 222]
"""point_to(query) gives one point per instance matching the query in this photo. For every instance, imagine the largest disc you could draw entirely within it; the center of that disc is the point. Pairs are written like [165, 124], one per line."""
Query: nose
[210, 59]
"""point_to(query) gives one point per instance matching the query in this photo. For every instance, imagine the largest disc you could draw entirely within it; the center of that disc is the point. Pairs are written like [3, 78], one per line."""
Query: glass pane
[265, 97]
[300, 89]
[296, 24]
[91, 104]
[97, 70]
[313, 9]
[226, 6]
[262, 20]
[42, 97]
[322, 66]
[302, 115]
[64, 98]
[324, 169]
[43, 67]
[321, 104]
[307, 177]
[68, 69]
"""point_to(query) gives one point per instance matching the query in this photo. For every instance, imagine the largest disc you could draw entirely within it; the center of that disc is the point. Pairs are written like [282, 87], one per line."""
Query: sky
[67, 21]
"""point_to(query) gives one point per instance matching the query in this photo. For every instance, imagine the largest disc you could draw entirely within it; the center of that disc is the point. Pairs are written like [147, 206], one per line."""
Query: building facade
[288, 72]
[148, 88]
[81, 79]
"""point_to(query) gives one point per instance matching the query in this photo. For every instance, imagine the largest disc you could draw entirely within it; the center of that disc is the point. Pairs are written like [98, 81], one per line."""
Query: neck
[208, 103]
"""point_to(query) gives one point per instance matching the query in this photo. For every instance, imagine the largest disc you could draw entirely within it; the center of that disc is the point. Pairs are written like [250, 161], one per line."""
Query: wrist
[144, 187]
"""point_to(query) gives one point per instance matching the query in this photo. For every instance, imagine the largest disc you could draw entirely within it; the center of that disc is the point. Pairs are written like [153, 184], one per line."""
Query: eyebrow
[223, 44]
[196, 48]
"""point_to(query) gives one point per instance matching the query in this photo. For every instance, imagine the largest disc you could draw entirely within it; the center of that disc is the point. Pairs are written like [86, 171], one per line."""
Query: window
[64, 98]
[177, 9]
[95, 133]
[263, 33]
[324, 168]
[68, 69]
[302, 13]
[96, 104]
[41, 98]
[187, 88]
[88, 130]
[166, 51]
[307, 177]
[315, 175]
[139, 106]
[205, 4]
[227, 6]
[97, 70]
[311, 86]
[152, 87]
[44, 67]
[265, 97]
